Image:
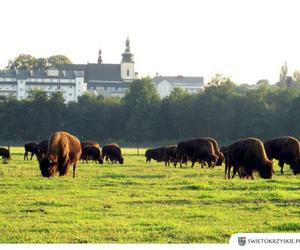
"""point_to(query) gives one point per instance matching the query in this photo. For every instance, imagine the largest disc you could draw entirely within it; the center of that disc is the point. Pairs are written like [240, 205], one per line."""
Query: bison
[5, 153]
[157, 154]
[246, 156]
[113, 153]
[285, 150]
[170, 154]
[217, 150]
[42, 148]
[31, 147]
[91, 152]
[64, 150]
[200, 150]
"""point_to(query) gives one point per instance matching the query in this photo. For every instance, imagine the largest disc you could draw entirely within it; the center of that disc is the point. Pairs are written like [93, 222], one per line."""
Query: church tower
[127, 63]
[100, 57]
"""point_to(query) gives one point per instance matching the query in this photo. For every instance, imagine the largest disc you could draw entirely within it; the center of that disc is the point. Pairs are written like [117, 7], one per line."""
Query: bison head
[266, 171]
[296, 167]
[121, 160]
[47, 167]
[220, 159]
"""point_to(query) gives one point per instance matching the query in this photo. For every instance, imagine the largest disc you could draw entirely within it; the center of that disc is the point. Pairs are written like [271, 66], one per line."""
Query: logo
[242, 241]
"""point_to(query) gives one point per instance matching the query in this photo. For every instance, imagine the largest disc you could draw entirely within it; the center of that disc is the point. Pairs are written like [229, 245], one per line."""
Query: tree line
[224, 110]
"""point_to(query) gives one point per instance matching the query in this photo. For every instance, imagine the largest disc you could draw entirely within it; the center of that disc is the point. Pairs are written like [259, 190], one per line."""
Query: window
[58, 87]
[94, 87]
[127, 72]
[105, 88]
[116, 88]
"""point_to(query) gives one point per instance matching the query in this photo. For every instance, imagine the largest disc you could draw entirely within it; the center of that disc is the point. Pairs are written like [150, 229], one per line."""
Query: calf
[31, 147]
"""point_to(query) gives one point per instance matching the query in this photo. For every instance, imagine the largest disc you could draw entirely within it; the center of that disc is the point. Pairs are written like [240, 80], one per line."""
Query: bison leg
[32, 154]
[281, 164]
[74, 170]
[26, 155]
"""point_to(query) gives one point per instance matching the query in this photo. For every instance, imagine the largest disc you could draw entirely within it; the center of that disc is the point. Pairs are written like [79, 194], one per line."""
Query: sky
[247, 40]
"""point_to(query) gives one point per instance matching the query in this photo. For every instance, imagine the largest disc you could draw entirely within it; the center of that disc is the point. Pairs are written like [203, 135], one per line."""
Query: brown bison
[285, 150]
[157, 154]
[31, 147]
[200, 150]
[217, 151]
[248, 155]
[91, 152]
[113, 153]
[5, 153]
[64, 150]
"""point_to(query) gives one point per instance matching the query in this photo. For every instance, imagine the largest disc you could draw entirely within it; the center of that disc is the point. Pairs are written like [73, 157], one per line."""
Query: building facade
[166, 84]
[19, 83]
[107, 79]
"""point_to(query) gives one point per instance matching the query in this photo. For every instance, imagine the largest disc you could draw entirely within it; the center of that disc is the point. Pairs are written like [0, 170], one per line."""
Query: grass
[141, 203]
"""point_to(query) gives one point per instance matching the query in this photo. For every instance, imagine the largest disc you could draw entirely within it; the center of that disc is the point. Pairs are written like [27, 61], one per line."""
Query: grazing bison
[91, 152]
[64, 150]
[157, 154]
[248, 155]
[285, 150]
[217, 151]
[200, 150]
[113, 153]
[31, 147]
[5, 153]
[170, 154]
[42, 148]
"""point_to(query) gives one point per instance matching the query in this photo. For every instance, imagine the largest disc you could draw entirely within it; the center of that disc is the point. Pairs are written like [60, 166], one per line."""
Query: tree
[57, 60]
[296, 76]
[23, 61]
[140, 106]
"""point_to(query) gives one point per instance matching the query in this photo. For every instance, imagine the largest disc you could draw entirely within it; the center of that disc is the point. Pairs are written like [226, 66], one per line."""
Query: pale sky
[247, 40]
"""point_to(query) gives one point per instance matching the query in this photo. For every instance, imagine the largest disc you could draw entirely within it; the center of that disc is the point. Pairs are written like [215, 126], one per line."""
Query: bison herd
[244, 156]
[63, 150]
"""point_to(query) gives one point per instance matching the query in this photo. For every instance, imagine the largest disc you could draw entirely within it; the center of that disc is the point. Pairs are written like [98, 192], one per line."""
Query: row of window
[37, 80]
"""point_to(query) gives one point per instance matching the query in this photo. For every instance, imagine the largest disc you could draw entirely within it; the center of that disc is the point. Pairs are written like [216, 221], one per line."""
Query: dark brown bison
[31, 147]
[5, 153]
[113, 153]
[285, 150]
[64, 150]
[42, 148]
[157, 154]
[246, 156]
[217, 151]
[197, 150]
[91, 152]
[170, 154]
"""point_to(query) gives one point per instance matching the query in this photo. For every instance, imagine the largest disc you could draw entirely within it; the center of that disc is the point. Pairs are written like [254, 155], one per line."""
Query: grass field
[141, 203]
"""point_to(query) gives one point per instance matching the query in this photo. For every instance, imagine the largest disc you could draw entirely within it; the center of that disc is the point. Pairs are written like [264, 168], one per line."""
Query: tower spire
[100, 57]
[127, 56]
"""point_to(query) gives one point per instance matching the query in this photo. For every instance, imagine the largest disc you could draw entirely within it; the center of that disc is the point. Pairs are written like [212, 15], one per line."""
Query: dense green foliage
[25, 61]
[140, 203]
[224, 111]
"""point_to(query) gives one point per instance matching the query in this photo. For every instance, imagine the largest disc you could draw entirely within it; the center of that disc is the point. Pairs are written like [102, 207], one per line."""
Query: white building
[166, 84]
[19, 83]
[105, 78]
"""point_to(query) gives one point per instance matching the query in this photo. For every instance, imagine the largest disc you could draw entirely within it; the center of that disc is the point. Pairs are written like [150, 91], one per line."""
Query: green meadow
[141, 203]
